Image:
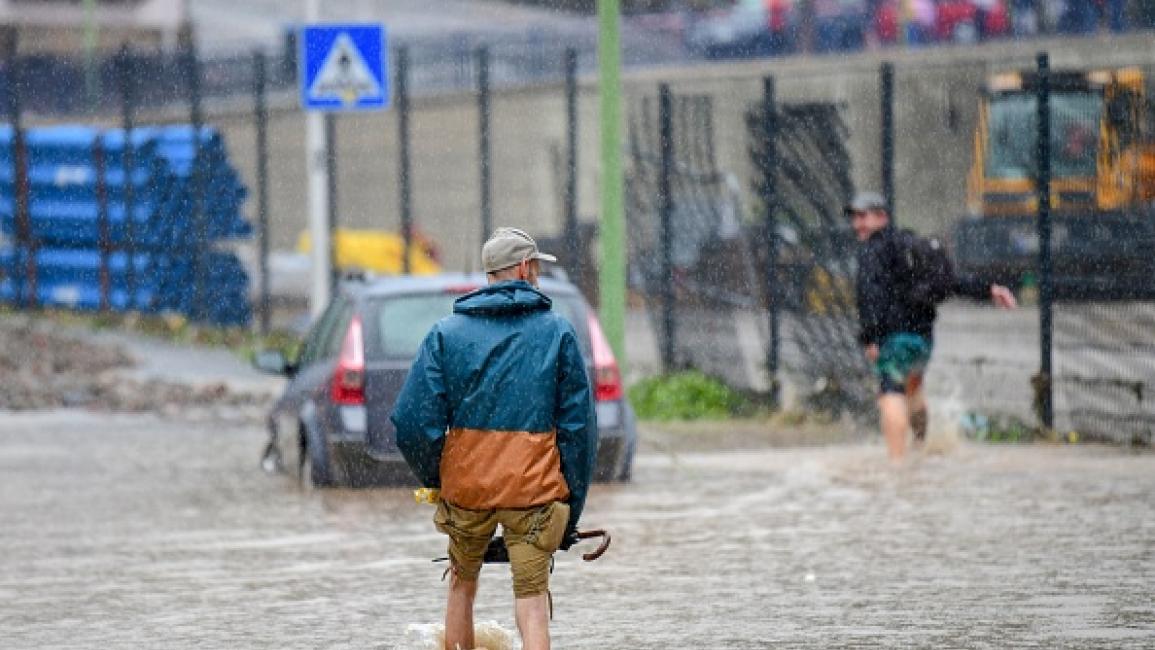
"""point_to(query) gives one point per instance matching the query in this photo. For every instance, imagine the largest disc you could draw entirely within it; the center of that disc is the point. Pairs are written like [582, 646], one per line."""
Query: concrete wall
[935, 115]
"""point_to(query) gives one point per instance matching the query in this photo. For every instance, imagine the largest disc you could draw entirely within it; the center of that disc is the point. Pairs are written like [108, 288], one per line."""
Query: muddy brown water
[134, 531]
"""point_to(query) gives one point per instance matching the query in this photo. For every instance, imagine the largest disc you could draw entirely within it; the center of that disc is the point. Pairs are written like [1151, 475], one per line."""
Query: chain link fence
[750, 280]
[691, 248]
[764, 303]
[769, 304]
[1098, 364]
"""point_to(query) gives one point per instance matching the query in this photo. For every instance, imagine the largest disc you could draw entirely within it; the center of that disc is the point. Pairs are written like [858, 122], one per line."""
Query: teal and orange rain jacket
[496, 410]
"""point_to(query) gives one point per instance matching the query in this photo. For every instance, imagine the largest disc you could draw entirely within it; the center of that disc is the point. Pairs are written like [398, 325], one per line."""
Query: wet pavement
[137, 531]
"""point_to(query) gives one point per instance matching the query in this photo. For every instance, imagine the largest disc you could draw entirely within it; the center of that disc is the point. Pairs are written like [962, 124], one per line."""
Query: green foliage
[997, 429]
[688, 395]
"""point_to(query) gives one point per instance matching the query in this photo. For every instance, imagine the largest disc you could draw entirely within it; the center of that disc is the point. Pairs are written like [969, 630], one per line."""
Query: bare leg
[533, 621]
[459, 614]
[916, 403]
[895, 424]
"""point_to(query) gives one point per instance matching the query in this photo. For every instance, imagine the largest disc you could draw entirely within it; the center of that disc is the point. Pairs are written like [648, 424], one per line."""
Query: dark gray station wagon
[332, 425]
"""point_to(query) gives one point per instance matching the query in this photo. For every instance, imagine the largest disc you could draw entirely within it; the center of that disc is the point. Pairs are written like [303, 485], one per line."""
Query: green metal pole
[612, 278]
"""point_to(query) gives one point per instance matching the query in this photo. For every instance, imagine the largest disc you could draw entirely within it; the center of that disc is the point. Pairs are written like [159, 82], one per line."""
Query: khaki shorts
[531, 536]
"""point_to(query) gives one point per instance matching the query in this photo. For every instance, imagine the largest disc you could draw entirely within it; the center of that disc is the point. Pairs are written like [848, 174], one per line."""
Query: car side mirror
[272, 362]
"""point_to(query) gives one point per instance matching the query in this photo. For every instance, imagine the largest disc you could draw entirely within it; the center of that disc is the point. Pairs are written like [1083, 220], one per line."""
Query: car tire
[626, 474]
[313, 467]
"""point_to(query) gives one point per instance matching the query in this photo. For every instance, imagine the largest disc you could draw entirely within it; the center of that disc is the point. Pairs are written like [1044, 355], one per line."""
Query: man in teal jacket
[497, 413]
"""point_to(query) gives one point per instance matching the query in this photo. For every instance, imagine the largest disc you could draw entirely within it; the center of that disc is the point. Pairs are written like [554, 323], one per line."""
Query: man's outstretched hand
[1002, 297]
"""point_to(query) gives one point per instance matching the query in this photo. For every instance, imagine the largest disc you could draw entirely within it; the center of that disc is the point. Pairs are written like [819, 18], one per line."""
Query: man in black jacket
[897, 330]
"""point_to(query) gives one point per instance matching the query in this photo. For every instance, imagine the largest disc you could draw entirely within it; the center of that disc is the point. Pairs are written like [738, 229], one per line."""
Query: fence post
[665, 213]
[886, 148]
[27, 290]
[483, 120]
[571, 129]
[261, 116]
[405, 180]
[192, 73]
[768, 171]
[103, 236]
[124, 77]
[1045, 384]
[331, 208]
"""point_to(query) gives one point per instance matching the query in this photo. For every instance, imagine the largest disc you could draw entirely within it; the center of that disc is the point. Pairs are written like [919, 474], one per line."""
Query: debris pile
[42, 367]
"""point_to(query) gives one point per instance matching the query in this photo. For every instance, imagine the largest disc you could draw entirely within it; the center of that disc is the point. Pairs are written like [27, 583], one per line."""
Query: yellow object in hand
[427, 495]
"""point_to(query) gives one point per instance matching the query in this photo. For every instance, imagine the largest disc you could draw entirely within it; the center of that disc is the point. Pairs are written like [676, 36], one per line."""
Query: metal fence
[260, 129]
[1049, 193]
[691, 250]
[802, 176]
[765, 303]
[438, 65]
[1095, 162]
[750, 290]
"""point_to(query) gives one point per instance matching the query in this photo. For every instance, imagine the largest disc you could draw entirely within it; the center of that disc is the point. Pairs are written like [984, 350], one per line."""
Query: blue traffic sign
[343, 67]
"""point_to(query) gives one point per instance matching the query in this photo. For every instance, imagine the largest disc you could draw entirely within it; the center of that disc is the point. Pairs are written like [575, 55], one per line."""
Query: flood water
[127, 532]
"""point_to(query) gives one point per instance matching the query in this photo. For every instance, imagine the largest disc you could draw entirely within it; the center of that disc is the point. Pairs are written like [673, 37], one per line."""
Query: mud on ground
[44, 366]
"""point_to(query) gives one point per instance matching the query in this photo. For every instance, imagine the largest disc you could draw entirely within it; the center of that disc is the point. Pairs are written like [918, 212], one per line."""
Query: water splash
[947, 408]
[489, 635]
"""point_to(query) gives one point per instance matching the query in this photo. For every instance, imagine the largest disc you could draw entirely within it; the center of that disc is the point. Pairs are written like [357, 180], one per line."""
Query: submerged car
[332, 421]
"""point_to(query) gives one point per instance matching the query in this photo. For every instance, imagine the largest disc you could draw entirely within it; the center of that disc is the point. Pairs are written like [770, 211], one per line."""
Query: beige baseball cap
[509, 247]
[864, 202]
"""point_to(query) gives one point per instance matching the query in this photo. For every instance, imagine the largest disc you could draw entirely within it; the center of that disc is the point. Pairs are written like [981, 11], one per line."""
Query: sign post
[343, 69]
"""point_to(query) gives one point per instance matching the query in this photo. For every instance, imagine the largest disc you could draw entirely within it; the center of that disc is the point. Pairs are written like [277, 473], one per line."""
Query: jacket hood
[503, 298]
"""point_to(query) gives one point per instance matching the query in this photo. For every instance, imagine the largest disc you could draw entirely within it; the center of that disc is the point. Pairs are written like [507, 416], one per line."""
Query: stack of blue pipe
[164, 257]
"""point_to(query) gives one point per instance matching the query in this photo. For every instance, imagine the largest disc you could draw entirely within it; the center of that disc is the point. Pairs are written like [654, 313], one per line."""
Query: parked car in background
[748, 28]
[332, 424]
[942, 21]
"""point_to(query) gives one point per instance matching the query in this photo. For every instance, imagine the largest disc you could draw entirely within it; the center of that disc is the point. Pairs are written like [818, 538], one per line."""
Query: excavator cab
[1005, 166]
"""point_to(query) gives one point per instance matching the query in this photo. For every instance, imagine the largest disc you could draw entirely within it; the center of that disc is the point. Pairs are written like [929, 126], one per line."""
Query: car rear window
[401, 322]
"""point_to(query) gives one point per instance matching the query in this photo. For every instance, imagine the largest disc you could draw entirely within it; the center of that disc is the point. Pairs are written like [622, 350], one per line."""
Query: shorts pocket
[549, 528]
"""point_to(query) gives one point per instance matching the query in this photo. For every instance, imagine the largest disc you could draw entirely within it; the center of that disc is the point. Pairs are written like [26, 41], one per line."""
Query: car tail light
[348, 387]
[607, 383]
[607, 377]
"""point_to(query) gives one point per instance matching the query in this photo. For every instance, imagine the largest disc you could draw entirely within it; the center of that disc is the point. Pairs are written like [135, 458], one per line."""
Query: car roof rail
[356, 275]
[557, 272]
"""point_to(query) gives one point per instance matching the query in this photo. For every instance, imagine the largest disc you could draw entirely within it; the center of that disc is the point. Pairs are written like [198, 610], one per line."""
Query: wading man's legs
[459, 614]
[895, 423]
[916, 405]
[533, 621]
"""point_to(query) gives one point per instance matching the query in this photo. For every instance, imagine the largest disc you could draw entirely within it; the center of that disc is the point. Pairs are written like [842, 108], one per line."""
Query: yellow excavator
[1102, 184]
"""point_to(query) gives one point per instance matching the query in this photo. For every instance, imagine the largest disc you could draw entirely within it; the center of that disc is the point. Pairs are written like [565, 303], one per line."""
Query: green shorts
[900, 357]
[531, 536]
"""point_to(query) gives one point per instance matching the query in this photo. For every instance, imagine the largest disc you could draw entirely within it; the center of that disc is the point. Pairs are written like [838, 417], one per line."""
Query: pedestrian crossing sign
[343, 68]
